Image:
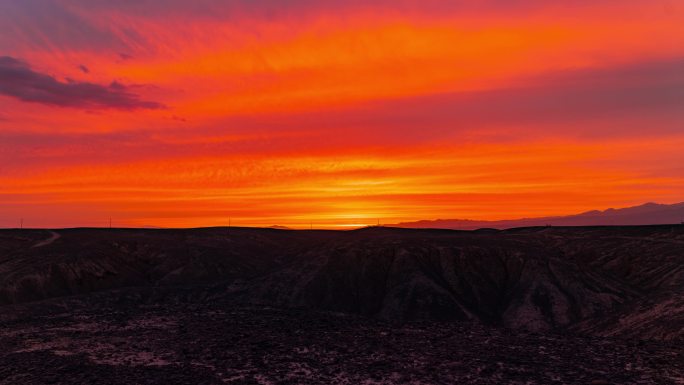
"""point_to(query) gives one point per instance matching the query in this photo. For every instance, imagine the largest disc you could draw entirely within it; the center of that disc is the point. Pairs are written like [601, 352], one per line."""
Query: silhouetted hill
[646, 214]
[599, 280]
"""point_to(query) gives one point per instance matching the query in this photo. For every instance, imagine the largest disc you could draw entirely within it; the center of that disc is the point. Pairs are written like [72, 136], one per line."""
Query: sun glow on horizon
[335, 114]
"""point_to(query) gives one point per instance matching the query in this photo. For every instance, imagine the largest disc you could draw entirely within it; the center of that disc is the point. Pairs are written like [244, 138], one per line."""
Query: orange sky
[337, 113]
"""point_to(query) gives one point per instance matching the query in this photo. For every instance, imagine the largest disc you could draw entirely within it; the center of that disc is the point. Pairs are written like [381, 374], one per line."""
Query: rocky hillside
[38, 264]
[537, 279]
[608, 281]
[141, 336]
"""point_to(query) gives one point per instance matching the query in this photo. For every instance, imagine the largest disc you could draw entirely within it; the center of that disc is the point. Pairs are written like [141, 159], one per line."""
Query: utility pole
[21, 223]
[110, 222]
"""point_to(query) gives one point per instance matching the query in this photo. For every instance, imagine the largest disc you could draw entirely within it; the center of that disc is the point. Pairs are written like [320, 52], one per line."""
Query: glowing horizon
[183, 114]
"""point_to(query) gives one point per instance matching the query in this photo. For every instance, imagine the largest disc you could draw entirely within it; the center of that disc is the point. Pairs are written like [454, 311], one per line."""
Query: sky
[335, 114]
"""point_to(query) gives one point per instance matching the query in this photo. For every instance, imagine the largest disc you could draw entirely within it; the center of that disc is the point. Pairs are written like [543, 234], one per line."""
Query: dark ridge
[535, 278]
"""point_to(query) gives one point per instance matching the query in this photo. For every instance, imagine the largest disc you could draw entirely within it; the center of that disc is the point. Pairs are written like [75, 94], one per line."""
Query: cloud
[627, 100]
[52, 25]
[18, 80]
[229, 9]
[617, 99]
[84, 69]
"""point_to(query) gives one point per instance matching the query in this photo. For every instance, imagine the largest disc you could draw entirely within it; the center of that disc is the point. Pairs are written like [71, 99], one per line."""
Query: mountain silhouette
[646, 214]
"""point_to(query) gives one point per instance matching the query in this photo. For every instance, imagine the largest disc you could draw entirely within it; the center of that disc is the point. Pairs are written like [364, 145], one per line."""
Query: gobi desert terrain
[542, 305]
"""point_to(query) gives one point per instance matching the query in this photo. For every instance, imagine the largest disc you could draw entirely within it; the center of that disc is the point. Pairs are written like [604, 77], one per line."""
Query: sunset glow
[335, 114]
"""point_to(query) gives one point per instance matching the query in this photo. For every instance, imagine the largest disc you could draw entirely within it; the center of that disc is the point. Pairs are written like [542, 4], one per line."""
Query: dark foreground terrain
[132, 337]
[601, 305]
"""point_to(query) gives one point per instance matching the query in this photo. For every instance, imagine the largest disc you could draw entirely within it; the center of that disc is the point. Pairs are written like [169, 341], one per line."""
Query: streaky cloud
[19, 81]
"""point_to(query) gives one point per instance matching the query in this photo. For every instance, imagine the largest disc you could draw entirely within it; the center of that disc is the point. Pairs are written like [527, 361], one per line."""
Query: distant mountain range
[646, 214]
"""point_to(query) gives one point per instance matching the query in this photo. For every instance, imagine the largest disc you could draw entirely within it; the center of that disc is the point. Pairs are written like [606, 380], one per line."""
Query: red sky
[177, 113]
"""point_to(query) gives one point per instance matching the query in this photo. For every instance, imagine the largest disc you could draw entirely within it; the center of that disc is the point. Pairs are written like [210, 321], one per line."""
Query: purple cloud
[53, 25]
[227, 9]
[73, 24]
[125, 56]
[18, 80]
